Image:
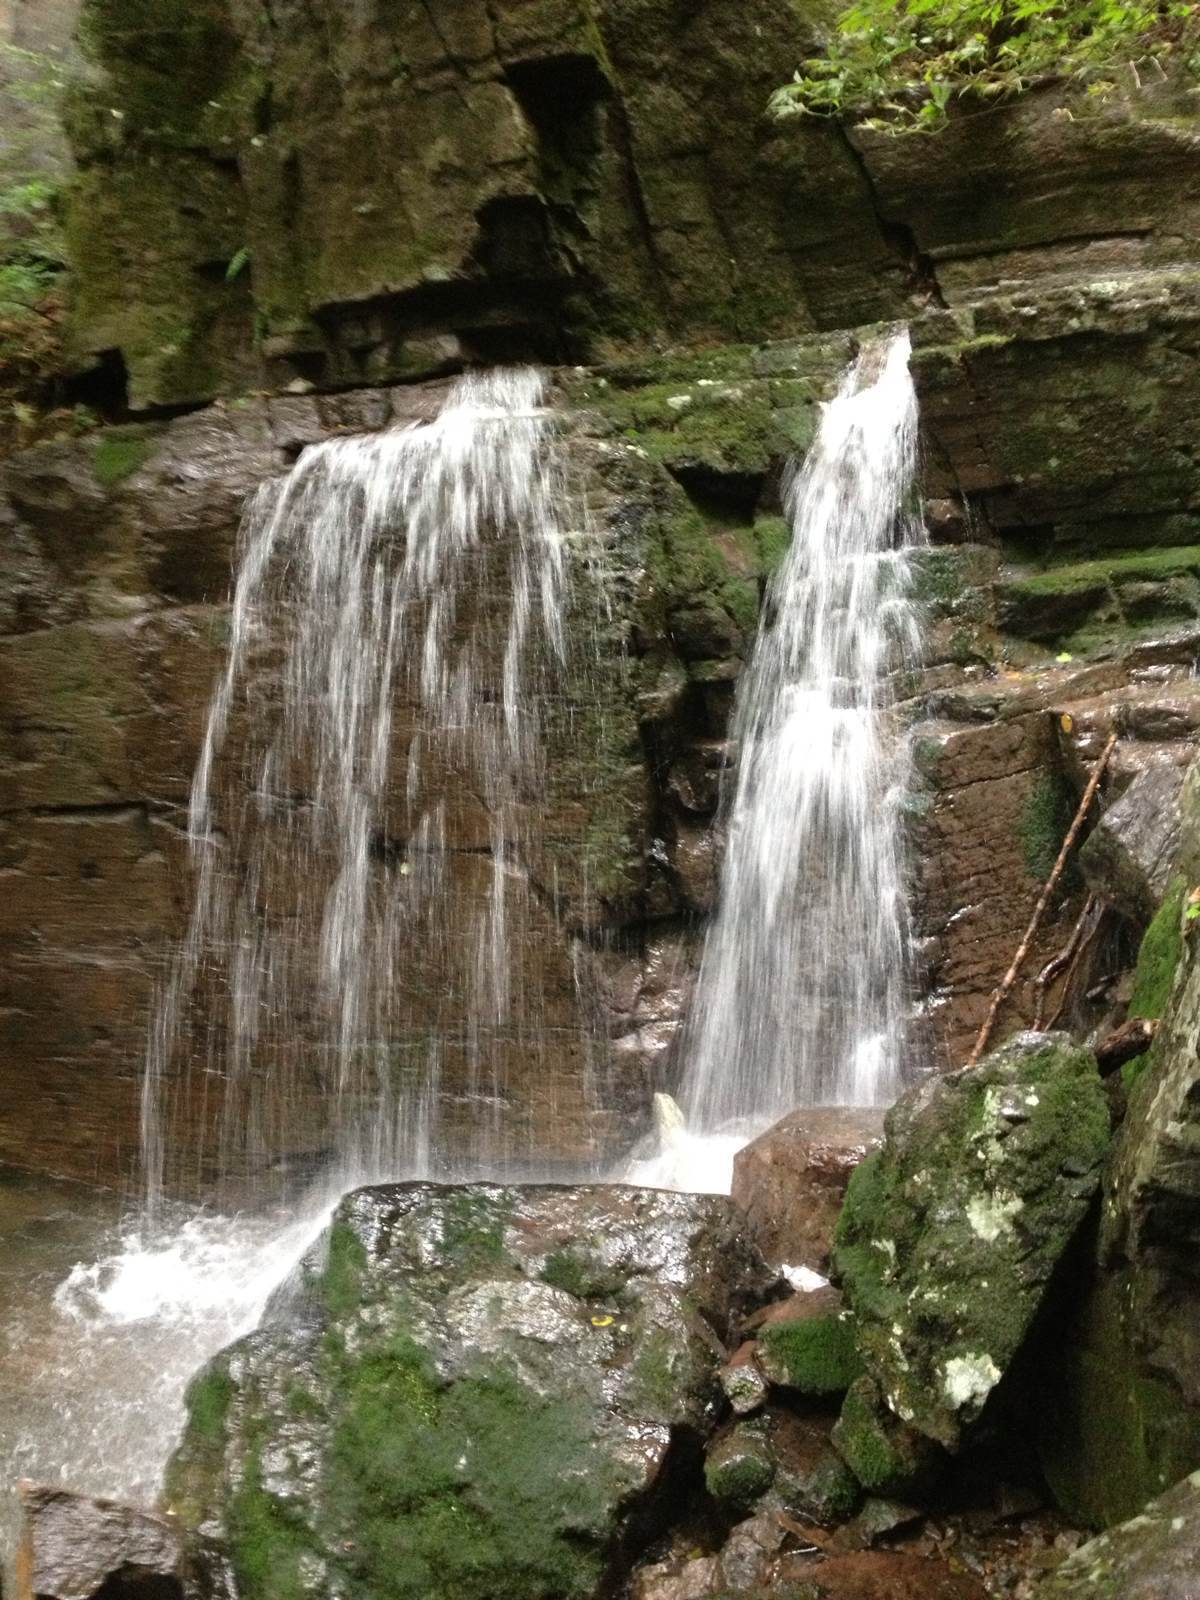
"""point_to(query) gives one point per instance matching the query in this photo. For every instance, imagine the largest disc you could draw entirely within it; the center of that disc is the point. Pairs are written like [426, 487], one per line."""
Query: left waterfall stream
[349, 945]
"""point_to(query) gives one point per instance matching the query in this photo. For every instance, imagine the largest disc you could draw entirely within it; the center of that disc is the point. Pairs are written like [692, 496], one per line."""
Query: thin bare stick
[1056, 963]
[1084, 944]
[1010, 977]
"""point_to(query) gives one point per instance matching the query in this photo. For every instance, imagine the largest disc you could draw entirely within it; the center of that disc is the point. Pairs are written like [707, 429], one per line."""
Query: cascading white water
[366, 802]
[362, 803]
[802, 987]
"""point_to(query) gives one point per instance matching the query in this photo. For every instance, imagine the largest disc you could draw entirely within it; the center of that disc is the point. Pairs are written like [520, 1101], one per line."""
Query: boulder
[468, 1392]
[744, 1384]
[791, 1180]
[807, 1343]
[1130, 854]
[886, 1456]
[811, 1480]
[951, 1231]
[73, 1547]
[1155, 1556]
[1119, 1420]
[739, 1467]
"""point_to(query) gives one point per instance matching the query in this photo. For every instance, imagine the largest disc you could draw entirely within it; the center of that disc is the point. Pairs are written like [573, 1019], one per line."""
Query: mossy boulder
[469, 1394]
[950, 1233]
[812, 1349]
[886, 1456]
[739, 1467]
[1154, 1556]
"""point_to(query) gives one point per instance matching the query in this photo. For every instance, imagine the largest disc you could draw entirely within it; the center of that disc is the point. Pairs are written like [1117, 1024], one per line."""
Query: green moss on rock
[739, 1467]
[430, 1419]
[816, 1355]
[269, 1548]
[1045, 818]
[950, 1233]
[1083, 605]
[118, 456]
[341, 1283]
[1111, 1434]
[885, 1455]
[582, 1273]
[1153, 1556]
[1159, 955]
[418, 1524]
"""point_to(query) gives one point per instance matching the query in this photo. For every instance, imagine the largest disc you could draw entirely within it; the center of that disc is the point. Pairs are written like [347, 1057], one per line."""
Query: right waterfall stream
[802, 991]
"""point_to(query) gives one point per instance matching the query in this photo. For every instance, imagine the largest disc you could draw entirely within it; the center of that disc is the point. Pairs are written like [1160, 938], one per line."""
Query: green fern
[902, 63]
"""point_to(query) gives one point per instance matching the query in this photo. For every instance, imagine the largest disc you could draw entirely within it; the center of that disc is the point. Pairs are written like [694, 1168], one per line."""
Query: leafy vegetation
[902, 63]
[32, 252]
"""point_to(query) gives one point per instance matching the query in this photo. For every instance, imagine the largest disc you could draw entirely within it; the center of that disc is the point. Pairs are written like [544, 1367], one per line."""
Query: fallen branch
[1087, 940]
[1065, 957]
[1124, 1043]
[1068, 844]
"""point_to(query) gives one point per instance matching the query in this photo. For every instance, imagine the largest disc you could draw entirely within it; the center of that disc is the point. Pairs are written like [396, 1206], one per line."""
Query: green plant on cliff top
[906, 61]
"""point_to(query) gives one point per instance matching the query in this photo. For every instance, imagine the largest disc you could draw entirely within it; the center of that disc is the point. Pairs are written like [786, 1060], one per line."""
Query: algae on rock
[1154, 1556]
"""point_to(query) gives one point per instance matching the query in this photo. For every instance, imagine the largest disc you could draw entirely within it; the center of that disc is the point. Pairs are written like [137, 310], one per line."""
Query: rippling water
[104, 1321]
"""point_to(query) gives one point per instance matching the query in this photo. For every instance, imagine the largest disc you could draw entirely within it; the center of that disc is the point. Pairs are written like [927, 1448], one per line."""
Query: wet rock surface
[791, 1180]
[73, 1548]
[1130, 854]
[115, 629]
[476, 1391]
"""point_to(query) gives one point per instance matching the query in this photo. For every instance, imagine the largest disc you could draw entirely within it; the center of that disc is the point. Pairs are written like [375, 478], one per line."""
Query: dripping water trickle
[398, 609]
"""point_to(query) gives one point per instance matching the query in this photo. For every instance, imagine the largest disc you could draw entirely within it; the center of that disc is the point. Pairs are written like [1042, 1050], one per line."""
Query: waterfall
[366, 787]
[802, 986]
[350, 995]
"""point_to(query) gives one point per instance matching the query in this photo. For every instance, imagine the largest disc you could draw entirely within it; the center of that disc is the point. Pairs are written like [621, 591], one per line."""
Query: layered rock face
[406, 189]
[117, 619]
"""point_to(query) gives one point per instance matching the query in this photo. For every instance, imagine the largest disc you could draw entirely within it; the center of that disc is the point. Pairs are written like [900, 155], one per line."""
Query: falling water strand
[362, 803]
[802, 987]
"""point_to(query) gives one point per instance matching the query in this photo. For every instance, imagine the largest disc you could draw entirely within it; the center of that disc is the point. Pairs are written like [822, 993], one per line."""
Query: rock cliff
[273, 200]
